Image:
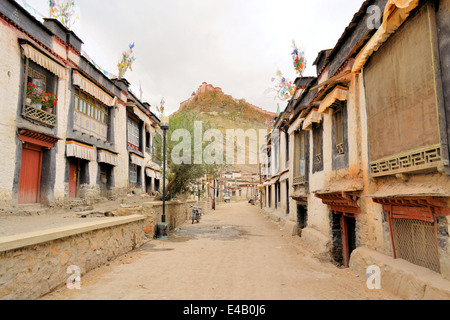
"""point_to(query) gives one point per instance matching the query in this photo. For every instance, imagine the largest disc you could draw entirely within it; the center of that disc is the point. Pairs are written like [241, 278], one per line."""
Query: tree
[187, 154]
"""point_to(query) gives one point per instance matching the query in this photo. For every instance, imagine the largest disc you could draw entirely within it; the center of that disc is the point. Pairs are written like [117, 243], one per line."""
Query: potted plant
[34, 96]
[49, 101]
[31, 94]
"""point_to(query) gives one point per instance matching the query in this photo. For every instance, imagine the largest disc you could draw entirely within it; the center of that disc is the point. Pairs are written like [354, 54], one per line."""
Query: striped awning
[284, 176]
[313, 117]
[153, 173]
[44, 61]
[296, 125]
[137, 160]
[395, 13]
[91, 88]
[104, 156]
[141, 115]
[80, 150]
[150, 173]
[339, 93]
[274, 179]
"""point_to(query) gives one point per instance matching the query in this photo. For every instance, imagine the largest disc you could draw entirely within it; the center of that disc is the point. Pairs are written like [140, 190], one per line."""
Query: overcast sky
[237, 45]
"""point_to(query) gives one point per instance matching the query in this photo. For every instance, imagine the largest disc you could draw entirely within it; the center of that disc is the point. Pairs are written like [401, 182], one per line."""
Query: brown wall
[400, 89]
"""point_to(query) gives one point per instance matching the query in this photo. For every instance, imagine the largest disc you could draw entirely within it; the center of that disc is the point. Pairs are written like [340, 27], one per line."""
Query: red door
[73, 178]
[30, 174]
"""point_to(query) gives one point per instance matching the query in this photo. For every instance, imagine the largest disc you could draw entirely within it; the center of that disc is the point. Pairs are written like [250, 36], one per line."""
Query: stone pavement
[234, 253]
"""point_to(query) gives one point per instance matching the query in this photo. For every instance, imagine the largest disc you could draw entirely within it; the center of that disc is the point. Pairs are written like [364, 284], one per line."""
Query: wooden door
[348, 238]
[30, 174]
[73, 178]
[103, 180]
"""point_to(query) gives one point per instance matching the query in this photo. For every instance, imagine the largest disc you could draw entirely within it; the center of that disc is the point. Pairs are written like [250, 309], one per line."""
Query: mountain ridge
[224, 112]
[216, 93]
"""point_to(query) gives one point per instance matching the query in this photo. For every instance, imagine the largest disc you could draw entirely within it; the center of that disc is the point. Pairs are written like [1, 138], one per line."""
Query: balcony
[40, 116]
[299, 180]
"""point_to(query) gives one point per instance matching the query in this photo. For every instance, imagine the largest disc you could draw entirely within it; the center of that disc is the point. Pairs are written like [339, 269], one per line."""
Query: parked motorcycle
[196, 214]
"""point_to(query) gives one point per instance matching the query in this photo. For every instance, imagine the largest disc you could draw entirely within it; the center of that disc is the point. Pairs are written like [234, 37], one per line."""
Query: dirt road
[233, 254]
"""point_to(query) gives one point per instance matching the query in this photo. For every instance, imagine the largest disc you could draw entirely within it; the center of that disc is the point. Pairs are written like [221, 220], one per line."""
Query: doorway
[148, 185]
[287, 196]
[343, 233]
[78, 175]
[302, 216]
[348, 225]
[30, 174]
[105, 179]
[73, 178]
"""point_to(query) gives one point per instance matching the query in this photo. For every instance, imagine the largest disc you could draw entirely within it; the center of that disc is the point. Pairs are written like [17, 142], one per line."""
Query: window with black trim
[339, 129]
[90, 115]
[287, 137]
[301, 145]
[134, 133]
[148, 144]
[317, 147]
[134, 175]
[91, 107]
[40, 95]
[340, 136]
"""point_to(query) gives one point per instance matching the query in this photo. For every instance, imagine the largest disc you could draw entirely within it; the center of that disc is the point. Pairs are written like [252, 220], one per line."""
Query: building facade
[65, 127]
[369, 139]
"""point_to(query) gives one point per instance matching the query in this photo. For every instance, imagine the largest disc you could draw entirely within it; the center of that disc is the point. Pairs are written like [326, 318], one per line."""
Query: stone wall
[177, 213]
[400, 277]
[32, 265]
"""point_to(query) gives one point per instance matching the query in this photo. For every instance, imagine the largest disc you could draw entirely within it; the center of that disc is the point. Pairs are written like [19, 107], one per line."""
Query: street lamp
[162, 227]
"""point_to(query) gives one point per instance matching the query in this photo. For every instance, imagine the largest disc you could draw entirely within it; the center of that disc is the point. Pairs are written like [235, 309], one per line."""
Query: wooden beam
[331, 80]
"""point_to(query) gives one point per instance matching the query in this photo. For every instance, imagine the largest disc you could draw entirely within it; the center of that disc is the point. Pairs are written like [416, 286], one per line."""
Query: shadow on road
[213, 232]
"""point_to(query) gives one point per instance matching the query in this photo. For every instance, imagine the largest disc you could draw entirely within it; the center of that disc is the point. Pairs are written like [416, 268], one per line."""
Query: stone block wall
[31, 271]
[177, 213]
[400, 277]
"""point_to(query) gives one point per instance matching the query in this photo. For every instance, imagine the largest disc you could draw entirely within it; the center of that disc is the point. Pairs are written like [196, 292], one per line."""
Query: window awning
[153, 173]
[395, 13]
[80, 150]
[89, 87]
[284, 176]
[274, 179]
[341, 202]
[108, 157]
[137, 160]
[313, 117]
[150, 173]
[296, 125]
[423, 208]
[339, 93]
[44, 61]
[141, 115]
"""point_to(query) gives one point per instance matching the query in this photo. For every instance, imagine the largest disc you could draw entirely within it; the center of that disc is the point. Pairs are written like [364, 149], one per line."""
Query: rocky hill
[225, 112]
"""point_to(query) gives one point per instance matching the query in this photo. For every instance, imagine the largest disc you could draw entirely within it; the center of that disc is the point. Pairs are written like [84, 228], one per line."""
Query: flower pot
[28, 101]
[49, 110]
[37, 106]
